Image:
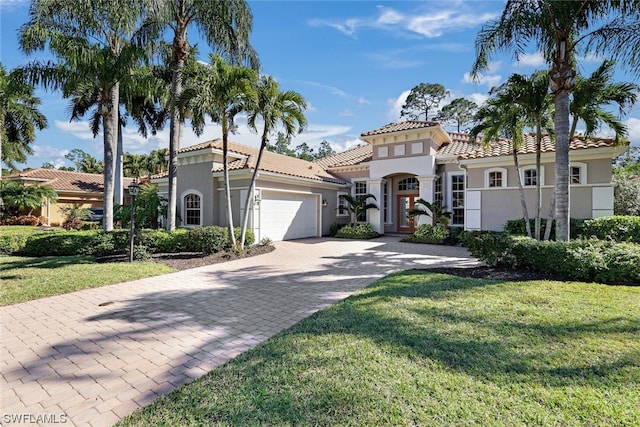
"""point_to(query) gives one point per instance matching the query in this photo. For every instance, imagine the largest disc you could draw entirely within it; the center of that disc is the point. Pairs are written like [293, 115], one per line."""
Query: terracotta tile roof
[65, 180]
[401, 126]
[271, 162]
[504, 148]
[353, 156]
[459, 145]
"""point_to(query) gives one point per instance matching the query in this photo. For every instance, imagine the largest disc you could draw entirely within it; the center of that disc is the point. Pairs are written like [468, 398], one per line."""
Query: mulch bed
[186, 260]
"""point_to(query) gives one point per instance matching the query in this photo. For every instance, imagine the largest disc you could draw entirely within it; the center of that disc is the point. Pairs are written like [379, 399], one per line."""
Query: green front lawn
[429, 349]
[24, 279]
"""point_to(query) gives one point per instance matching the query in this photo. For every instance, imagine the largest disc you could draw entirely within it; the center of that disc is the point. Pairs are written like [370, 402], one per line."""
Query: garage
[287, 216]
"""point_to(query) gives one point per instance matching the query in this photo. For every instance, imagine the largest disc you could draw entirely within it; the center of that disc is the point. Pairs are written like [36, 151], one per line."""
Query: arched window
[192, 207]
[409, 184]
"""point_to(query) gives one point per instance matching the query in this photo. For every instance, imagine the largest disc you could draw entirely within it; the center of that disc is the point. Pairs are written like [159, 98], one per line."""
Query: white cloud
[478, 98]
[79, 129]
[395, 106]
[531, 60]
[429, 23]
[490, 80]
[633, 125]
[433, 25]
[363, 101]
[346, 113]
[331, 89]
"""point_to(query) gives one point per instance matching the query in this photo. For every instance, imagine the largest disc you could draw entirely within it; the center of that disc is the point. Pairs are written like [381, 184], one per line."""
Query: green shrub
[493, 247]
[214, 239]
[12, 243]
[517, 227]
[584, 260]
[360, 231]
[427, 233]
[335, 227]
[617, 228]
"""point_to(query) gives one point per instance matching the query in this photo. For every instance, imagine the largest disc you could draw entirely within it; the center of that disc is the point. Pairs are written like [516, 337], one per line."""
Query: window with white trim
[530, 177]
[457, 199]
[359, 190]
[437, 190]
[385, 201]
[409, 184]
[342, 210]
[495, 178]
[192, 209]
[578, 173]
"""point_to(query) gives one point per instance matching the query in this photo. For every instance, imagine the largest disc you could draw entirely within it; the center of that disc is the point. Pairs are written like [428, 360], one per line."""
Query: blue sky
[354, 62]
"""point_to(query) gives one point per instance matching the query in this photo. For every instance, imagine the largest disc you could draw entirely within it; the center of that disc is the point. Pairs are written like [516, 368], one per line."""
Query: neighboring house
[400, 163]
[73, 188]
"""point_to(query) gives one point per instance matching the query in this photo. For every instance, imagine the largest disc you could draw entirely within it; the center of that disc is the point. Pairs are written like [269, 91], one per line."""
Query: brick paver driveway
[94, 356]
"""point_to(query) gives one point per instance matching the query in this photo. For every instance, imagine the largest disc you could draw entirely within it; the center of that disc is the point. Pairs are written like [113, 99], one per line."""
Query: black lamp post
[133, 191]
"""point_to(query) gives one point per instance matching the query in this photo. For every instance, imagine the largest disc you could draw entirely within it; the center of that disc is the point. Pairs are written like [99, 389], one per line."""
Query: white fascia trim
[574, 155]
[353, 168]
[276, 177]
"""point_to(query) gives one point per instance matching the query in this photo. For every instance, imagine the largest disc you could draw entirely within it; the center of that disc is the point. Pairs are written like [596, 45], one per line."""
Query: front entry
[405, 204]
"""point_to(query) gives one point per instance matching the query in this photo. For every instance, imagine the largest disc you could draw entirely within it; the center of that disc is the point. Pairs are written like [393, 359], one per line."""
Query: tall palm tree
[531, 93]
[221, 91]
[501, 119]
[275, 108]
[226, 26]
[591, 94]
[562, 30]
[98, 39]
[158, 160]
[19, 118]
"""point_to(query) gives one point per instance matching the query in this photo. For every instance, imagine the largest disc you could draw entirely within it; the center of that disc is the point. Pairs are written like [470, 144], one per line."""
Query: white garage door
[286, 216]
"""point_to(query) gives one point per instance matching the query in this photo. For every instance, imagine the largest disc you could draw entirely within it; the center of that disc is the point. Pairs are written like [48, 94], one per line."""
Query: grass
[24, 279]
[421, 348]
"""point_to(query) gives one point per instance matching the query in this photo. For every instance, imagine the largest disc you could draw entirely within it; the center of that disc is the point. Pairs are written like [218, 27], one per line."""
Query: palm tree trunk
[119, 178]
[552, 205]
[180, 53]
[538, 179]
[562, 165]
[110, 121]
[227, 186]
[523, 202]
[247, 203]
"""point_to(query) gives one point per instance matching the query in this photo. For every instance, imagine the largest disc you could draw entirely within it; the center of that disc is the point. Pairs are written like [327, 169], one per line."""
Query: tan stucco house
[73, 188]
[398, 163]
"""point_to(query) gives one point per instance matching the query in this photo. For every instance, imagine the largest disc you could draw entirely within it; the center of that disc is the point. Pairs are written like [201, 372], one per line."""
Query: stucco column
[426, 193]
[376, 216]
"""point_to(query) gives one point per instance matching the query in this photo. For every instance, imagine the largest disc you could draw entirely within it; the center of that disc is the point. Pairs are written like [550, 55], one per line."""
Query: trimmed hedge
[517, 227]
[98, 243]
[617, 228]
[584, 260]
[427, 233]
[360, 231]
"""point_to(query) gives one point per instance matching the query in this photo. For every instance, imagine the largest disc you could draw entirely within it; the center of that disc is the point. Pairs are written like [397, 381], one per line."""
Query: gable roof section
[271, 162]
[351, 157]
[504, 148]
[401, 126]
[65, 180]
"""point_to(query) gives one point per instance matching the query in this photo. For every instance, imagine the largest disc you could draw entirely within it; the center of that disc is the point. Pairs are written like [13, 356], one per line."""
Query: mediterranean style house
[398, 164]
[73, 188]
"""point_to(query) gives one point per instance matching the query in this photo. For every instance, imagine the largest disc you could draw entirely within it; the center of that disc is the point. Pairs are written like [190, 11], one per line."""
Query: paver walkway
[94, 356]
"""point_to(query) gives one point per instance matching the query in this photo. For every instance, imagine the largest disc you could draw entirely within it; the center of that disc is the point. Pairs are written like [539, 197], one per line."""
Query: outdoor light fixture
[133, 191]
[324, 203]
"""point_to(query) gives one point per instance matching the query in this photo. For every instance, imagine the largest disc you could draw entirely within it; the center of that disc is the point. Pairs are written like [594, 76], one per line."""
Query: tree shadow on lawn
[50, 262]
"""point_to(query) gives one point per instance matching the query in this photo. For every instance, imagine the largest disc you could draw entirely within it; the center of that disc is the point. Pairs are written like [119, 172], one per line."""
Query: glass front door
[405, 204]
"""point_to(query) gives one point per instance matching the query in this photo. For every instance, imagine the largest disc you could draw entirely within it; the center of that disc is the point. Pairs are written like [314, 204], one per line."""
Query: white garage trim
[287, 215]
